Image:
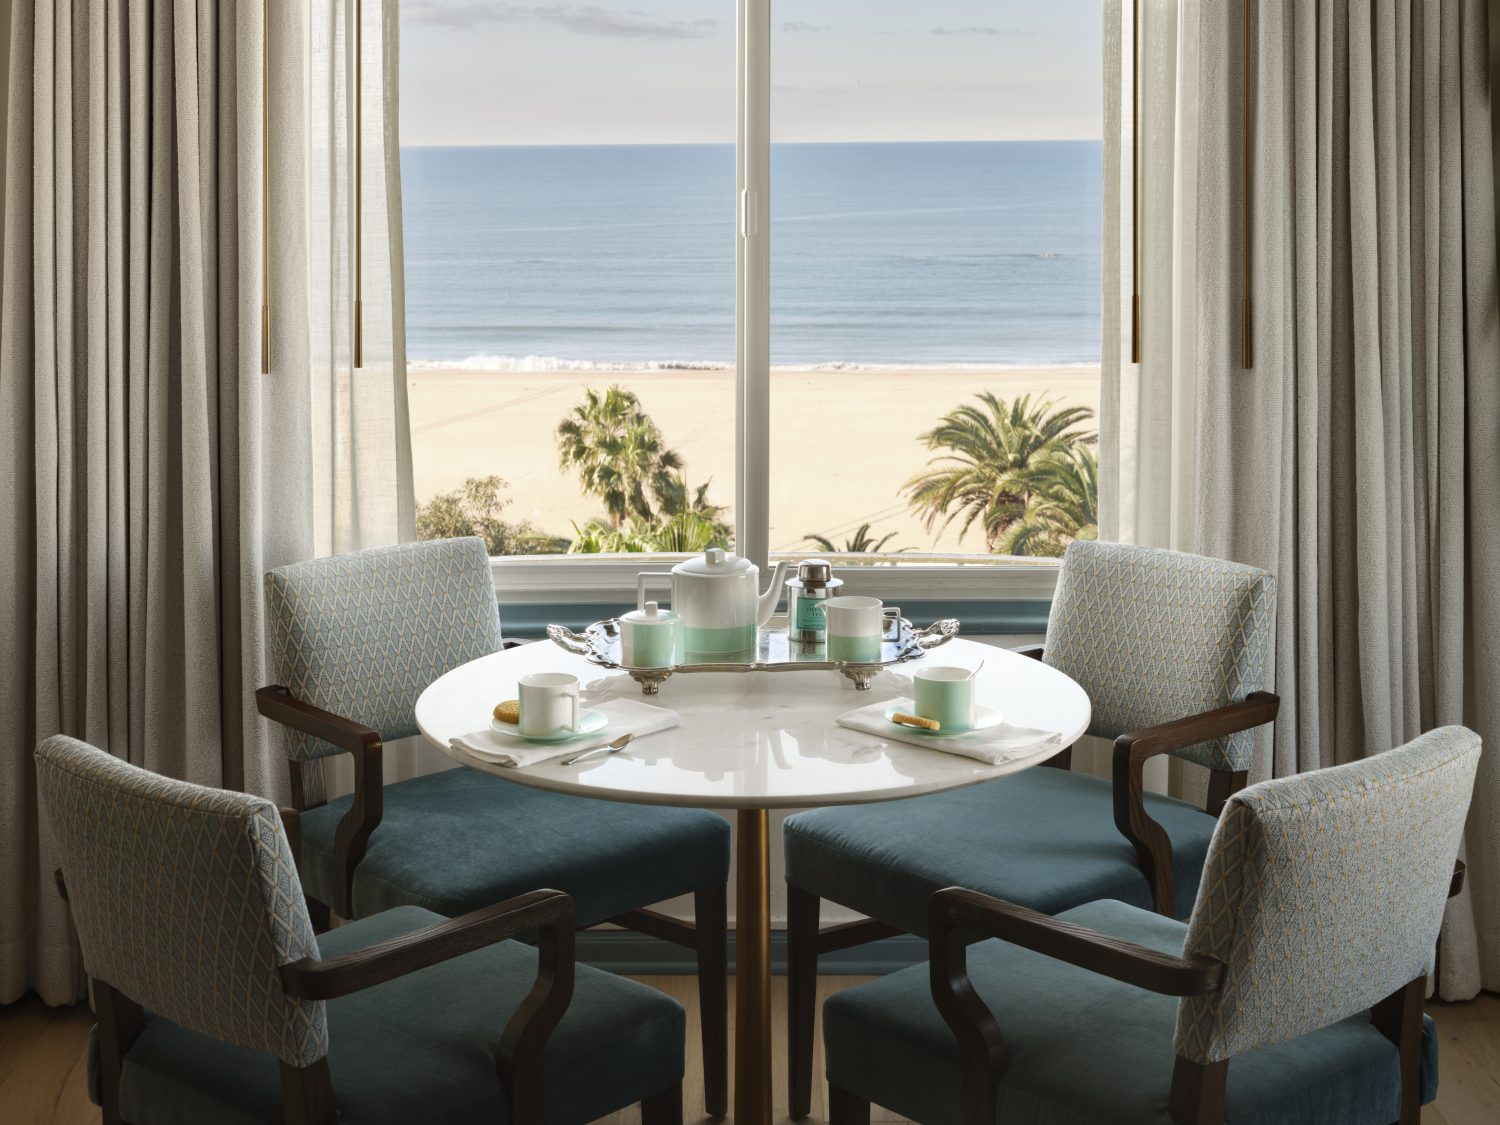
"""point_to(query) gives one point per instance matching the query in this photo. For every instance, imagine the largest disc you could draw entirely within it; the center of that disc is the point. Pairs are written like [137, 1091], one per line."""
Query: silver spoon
[600, 751]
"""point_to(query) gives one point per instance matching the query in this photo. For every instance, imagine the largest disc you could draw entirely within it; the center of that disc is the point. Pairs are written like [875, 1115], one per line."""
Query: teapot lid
[716, 562]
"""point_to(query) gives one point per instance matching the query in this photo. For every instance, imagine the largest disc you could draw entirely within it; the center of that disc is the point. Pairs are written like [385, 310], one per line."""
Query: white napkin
[992, 745]
[626, 716]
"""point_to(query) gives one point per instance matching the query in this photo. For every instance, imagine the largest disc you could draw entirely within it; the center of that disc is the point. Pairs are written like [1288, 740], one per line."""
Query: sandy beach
[842, 442]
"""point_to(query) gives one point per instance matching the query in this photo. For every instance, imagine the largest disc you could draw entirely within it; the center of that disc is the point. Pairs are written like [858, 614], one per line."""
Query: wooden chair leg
[120, 1022]
[845, 1108]
[664, 1108]
[1399, 1018]
[711, 909]
[802, 908]
[307, 1094]
[1198, 1091]
[321, 916]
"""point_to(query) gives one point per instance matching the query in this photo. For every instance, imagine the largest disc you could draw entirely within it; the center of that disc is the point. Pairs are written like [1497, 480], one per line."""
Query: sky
[485, 72]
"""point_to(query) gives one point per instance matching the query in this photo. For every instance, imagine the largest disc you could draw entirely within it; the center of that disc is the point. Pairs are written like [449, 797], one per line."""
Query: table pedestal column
[752, 960]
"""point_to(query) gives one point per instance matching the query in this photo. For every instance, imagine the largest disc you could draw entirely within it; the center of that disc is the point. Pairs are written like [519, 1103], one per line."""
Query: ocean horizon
[896, 254]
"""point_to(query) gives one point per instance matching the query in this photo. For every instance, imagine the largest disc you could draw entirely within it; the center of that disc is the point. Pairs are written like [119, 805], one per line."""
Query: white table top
[757, 740]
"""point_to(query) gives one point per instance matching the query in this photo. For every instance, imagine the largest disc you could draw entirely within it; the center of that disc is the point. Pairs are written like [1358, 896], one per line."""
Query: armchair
[1110, 1012]
[355, 639]
[216, 1002]
[1171, 649]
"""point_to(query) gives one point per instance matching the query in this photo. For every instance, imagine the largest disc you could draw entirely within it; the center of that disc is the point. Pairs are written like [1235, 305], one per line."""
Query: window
[679, 272]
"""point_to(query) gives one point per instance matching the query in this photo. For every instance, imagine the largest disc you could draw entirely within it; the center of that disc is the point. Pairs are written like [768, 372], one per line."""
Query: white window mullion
[752, 312]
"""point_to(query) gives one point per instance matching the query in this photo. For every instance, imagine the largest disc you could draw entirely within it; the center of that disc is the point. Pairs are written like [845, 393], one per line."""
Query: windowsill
[988, 598]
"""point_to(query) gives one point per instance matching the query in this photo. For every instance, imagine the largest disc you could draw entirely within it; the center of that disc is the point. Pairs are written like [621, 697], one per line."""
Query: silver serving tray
[774, 651]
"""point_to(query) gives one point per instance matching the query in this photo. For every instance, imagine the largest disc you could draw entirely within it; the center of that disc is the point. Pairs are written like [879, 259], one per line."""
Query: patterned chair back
[1323, 893]
[361, 635]
[186, 899]
[1154, 636]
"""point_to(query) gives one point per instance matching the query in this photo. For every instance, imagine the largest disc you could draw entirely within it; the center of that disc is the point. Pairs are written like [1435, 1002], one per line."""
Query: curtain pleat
[151, 472]
[1357, 458]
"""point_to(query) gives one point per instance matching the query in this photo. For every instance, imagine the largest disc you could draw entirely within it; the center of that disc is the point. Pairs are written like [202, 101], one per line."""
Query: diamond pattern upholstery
[1154, 636]
[186, 899]
[1324, 892]
[361, 635]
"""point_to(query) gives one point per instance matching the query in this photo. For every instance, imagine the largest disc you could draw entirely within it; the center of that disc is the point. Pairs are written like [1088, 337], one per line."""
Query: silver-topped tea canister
[806, 594]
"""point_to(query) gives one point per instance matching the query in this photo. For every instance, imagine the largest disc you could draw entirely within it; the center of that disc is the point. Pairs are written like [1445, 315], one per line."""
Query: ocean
[948, 254]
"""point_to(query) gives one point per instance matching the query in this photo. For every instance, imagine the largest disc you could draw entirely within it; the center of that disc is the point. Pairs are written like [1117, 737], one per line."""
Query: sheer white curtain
[152, 472]
[1147, 454]
[362, 475]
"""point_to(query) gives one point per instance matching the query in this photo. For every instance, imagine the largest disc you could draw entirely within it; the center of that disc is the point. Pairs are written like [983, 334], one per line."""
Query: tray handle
[936, 635]
[576, 643]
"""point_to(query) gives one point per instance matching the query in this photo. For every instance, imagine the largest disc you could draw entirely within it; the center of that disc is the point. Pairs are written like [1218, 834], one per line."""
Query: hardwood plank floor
[42, 1066]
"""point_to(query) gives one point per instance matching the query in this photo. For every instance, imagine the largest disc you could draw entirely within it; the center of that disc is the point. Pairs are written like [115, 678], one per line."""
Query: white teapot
[718, 597]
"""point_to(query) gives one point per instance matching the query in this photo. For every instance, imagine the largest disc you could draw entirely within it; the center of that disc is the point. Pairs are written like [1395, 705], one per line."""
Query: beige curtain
[151, 473]
[1360, 456]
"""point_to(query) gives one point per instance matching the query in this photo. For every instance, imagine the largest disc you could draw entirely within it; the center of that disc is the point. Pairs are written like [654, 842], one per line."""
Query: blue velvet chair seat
[1087, 1050]
[460, 840]
[1044, 838]
[422, 1047]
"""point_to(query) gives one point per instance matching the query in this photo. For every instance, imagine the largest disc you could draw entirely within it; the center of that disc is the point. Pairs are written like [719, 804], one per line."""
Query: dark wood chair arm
[519, 1061]
[986, 917]
[959, 917]
[1456, 885]
[314, 979]
[363, 745]
[1033, 651]
[278, 704]
[1153, 847]
[512, 644]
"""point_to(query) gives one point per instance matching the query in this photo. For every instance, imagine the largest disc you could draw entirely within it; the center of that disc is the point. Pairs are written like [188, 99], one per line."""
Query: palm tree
[860, 543]
[987, 448]
[1064, 505]
[618, 453]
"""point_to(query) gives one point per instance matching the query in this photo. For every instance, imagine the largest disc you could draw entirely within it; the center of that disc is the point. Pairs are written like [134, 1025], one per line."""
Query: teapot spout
[767, 603]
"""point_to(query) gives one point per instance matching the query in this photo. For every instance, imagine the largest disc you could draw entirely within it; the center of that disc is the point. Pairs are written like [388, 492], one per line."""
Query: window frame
[563, 580]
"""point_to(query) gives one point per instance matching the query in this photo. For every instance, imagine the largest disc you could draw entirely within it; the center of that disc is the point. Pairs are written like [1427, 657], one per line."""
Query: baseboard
[631, 954]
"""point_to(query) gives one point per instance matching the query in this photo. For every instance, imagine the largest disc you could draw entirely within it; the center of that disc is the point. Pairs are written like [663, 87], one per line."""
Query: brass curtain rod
[1135, 186]
[359, 183]
[1247, 344]
[265, 188]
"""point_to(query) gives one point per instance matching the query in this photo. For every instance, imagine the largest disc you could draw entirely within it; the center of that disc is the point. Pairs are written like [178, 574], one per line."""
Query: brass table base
[752, 980]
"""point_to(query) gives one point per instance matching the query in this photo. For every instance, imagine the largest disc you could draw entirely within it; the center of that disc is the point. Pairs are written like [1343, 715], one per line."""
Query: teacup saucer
[984, 718]
[590, 722]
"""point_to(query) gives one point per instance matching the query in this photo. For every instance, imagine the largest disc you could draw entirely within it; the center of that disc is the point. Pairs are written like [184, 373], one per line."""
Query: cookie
[915, 721]
[509, 711]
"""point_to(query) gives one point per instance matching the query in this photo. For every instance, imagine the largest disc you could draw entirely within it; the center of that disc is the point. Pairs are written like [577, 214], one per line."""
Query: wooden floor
[42, 1068]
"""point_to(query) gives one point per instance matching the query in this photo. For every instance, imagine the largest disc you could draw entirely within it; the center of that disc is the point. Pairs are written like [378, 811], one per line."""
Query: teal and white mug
[945, 694]
[857, 625]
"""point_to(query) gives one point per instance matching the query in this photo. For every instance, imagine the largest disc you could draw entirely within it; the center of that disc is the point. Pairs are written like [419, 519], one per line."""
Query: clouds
[975, 31]
[799, 26]
[581, 19]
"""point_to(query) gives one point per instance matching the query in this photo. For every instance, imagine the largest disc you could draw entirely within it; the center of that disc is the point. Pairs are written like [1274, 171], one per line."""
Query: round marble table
[754, 742]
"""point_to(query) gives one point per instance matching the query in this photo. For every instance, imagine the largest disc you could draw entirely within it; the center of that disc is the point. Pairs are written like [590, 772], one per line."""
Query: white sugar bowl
[648, 637]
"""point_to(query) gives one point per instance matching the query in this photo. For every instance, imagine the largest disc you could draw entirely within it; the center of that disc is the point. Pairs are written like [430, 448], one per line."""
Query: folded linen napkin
[993, 745]
[626, 716]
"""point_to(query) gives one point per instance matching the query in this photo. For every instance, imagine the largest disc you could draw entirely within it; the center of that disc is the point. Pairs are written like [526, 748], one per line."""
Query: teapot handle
[643, 579]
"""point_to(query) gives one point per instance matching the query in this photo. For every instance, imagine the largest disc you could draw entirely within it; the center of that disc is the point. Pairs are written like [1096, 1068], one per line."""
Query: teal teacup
[945, 694]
